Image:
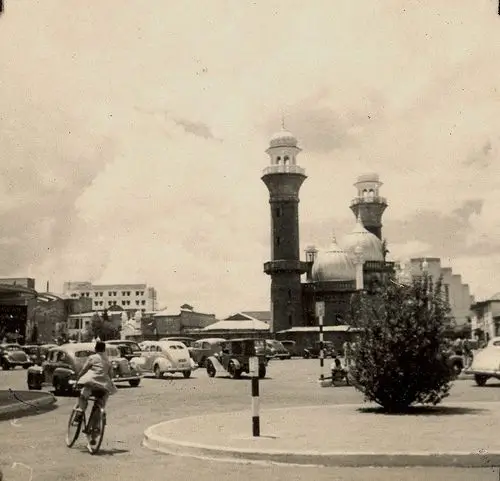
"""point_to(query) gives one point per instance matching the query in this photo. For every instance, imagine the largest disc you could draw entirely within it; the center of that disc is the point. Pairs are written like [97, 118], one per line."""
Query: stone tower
[284, 178]
[368, 205]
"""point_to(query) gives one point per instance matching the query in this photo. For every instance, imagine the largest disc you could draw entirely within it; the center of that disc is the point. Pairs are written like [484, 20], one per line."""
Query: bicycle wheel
[74, 428]
[96, 425]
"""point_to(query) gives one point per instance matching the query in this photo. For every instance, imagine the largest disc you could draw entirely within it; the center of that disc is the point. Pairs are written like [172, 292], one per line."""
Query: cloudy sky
[132, 136]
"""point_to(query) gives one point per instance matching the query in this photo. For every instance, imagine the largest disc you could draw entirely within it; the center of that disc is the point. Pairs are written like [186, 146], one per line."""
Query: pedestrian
[347, 353]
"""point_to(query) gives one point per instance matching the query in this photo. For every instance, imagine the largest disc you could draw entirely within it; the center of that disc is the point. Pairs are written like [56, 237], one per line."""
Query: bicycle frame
[88, 425]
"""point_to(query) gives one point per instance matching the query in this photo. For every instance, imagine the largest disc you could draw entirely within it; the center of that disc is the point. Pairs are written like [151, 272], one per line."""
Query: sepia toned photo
[248, 240]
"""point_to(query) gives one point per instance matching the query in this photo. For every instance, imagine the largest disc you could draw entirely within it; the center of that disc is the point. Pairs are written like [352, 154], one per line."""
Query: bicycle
[93, 427]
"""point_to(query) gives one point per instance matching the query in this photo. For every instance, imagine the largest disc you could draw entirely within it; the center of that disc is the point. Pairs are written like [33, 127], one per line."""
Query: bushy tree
[103, 328]
[399, 356]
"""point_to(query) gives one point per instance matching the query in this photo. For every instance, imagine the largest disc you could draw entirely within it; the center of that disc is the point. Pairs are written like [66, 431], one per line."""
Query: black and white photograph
[249, 240]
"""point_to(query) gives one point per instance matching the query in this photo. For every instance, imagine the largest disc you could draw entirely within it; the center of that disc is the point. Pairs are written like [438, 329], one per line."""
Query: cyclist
[97, 373]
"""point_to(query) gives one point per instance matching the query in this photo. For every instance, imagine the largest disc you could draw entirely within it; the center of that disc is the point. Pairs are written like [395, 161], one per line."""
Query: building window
[143, 303]
[289, 294]
[142, 293]
[289, 319]
[278, 240]
[137, 303]
[279, 211]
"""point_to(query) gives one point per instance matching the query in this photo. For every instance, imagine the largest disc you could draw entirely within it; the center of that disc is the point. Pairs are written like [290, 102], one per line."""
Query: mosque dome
[283, 138]
[333, 264]
[370, 244]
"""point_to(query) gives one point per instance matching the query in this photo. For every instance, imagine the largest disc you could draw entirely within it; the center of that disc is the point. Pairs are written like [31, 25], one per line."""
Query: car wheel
[158, 373]
[480, 379]
[26, 366]
[233, 371]
[134, 382]
[306, 355]
[457, 369]
[58, 390]
[186, 374]
[5, 366]
[262, 372]
[210, 369]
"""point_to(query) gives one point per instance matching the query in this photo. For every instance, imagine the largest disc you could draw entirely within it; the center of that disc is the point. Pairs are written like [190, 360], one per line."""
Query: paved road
[37, 443]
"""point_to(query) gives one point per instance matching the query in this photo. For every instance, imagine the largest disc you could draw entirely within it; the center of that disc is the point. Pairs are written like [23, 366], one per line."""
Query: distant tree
[399, 359]
[103, 328]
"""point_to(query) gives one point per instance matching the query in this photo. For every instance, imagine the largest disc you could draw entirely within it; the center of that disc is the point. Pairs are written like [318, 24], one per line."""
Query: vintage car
[234, 359]
[12, 355]
[486, 363]
[128, 349]
[187, 341]
[202, 349]
[278, 349]
[160, 357]
[291, 347]
[64, 363]
[37, 353]
[313, 351]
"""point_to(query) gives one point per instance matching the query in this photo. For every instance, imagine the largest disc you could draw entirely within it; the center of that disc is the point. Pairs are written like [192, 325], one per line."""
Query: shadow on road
[108, 451]
[426, 411]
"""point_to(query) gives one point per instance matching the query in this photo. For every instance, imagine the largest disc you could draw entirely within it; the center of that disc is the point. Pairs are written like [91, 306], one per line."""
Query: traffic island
[449, 435]
[16, 404]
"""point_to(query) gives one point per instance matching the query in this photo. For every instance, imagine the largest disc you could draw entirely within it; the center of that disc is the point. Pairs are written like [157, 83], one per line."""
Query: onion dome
[333, 264]
[370, 244]
[283, 138]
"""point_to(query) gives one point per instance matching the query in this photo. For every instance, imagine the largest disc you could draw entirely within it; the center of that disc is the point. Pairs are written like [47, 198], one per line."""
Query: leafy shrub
[398, 359]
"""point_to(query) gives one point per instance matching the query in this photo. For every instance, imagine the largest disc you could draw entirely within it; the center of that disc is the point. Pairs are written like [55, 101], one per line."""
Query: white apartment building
[130, 297]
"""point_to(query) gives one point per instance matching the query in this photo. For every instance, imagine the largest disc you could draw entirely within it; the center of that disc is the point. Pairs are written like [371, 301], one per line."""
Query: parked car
[128, 349]
[37, 353]
[234, 358]
[12, 355]
[202, 349]
[187, 341]
[160, 357]
[313, 351]
[291, 347]
[486, 363]
[279, 350]
[64, 364]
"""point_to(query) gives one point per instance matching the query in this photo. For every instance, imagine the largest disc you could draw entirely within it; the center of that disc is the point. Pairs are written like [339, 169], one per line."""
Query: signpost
[320, 314]
[254, 372]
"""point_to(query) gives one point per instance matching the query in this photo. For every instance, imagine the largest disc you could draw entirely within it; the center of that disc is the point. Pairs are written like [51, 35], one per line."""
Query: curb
[331, 459]
[456, 459]
[26, 407]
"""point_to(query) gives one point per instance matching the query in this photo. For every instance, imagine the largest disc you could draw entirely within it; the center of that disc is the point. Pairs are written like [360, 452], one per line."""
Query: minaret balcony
[284, 169]
[369, 200]
[285, 265]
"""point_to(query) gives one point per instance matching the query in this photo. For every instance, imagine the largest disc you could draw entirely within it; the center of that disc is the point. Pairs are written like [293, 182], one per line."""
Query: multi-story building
[130, 297]
[456, 293]
[486, 318]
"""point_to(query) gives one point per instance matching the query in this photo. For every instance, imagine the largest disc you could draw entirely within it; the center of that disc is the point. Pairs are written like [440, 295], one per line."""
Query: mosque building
[332, 275]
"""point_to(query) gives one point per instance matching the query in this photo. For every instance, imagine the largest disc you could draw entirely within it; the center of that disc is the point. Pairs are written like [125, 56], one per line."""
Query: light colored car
[486, 362]
[160, 357]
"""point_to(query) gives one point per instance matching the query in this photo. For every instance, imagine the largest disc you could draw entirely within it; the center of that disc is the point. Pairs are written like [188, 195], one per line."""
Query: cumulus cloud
[132, 149]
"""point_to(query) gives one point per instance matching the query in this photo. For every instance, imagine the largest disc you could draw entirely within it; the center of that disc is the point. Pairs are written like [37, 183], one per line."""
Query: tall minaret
[284, 178]
[368, 205]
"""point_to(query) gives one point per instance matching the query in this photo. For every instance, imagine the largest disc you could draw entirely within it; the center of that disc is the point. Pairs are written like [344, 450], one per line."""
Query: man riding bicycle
[96, 374]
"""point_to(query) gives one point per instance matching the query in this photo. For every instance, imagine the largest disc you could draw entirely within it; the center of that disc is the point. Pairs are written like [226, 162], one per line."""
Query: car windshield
[12, 348]
[31, 350]
[85, 353]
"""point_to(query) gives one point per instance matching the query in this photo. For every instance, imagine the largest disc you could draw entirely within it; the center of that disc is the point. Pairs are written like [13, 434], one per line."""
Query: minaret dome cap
[283, 138]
